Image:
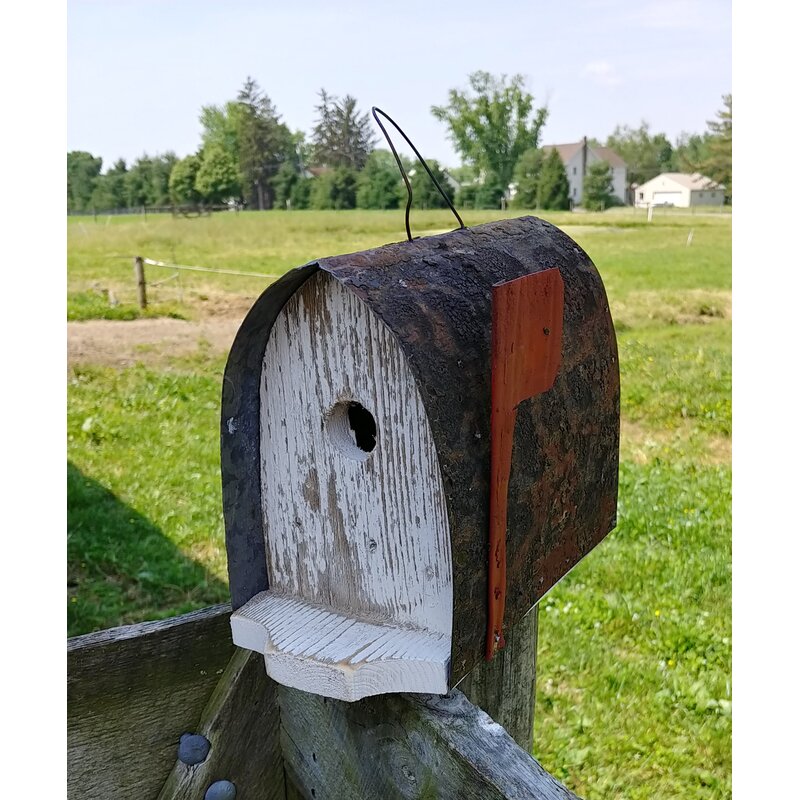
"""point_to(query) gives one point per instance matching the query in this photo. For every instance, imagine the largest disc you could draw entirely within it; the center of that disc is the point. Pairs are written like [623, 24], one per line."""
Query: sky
[139, 72]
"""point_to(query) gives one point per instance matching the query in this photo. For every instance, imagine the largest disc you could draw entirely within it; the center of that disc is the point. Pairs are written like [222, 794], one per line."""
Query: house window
[574, 191]
[574, 170]
[641, 195]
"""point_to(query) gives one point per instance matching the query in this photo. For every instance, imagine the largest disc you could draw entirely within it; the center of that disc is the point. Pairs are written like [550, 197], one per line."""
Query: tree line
[249, 156]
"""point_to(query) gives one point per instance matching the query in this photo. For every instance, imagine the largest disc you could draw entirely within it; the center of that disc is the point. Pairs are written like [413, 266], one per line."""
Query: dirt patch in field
[148, 341]
[641, 444]
[689, 307]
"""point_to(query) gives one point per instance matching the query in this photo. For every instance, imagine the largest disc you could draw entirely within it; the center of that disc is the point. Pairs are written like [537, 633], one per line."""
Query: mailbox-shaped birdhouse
[418, 442]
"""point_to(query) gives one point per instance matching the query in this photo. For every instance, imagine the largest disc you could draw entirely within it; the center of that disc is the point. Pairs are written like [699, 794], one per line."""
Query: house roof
[693, 182]
[567, 151]
[607, 154]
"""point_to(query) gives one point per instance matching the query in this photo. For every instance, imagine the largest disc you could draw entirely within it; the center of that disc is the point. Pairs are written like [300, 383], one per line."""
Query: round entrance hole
[352, 429]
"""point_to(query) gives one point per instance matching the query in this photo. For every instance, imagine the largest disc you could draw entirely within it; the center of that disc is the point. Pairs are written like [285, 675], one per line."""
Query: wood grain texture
[312, 648]
[365, 533]
[405, 746]
[131, 693]
[527, 321]
[242, 723]
[505, 687]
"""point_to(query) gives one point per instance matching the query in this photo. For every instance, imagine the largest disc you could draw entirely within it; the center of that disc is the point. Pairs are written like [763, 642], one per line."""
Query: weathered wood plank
[310, 647]
[505, 687]
[131, 693]
[241, 722]
[361, 529]
[405, 746]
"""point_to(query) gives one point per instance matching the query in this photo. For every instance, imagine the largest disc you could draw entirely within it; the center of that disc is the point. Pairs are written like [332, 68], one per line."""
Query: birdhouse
[418, 442]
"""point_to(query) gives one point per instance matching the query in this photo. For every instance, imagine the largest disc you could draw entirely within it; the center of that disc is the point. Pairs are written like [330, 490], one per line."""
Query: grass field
[634, 697]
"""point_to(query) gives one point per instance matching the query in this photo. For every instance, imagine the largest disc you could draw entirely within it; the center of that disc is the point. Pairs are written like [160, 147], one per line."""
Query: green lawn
[633, 696]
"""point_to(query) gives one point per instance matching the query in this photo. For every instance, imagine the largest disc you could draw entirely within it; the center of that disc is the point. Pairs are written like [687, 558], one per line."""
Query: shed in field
[681, 190]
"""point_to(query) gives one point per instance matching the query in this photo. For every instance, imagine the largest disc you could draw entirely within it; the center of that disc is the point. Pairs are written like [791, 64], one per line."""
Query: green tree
[718, 164]
[378, 181]
[552, 191]
[690, 151]
[83, 170]
[300, 196]
[284, 182]
[646, 155]
[335, 189]
[183, 179]
[264, 144]
[493, 124]
[109, 191]
[147, 180]
[342, 136]
[221, 127]
[598, 187]
[217, 178]
[526, 176]
[425, 194]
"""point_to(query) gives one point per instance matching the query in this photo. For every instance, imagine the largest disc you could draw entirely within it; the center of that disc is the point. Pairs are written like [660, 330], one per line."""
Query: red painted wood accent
[527, 320]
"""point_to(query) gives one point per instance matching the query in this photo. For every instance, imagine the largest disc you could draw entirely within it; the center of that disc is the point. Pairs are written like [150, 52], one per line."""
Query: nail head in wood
[221, 790]
[193, 748]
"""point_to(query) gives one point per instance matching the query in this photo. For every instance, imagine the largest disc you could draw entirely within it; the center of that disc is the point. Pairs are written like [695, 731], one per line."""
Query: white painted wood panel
[313, 648]
[364, 534]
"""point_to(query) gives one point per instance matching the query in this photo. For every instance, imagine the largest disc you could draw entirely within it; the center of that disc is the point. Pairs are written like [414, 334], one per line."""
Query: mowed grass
[633, 696]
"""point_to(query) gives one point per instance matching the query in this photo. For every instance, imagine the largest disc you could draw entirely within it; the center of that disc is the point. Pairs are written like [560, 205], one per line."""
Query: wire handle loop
[375, 112]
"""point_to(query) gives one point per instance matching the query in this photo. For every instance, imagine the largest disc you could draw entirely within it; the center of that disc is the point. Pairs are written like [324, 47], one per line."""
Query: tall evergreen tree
[342, 137]
[526, 176]
[552, 191]
[718, 164]
[264, 144]
[598, 187]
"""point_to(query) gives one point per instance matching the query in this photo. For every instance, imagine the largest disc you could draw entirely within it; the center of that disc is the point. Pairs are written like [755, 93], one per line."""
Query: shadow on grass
[121, 568]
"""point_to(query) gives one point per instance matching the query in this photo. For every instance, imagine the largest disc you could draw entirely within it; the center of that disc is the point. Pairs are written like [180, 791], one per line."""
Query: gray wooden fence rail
[134, 691]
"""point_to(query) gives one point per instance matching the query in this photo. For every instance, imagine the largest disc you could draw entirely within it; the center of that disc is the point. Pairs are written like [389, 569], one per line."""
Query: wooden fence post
[141, 286]
[505, 687]
[135, 692]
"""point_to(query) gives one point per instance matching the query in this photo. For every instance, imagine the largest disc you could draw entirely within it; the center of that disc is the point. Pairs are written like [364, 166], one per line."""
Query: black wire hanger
[375, 112]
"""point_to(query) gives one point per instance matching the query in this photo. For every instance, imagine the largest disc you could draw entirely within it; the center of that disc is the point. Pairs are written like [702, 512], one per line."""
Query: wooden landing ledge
[315, 649]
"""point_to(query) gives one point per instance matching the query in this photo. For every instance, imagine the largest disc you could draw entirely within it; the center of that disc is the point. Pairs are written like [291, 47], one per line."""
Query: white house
[679, 189]
[579, 156]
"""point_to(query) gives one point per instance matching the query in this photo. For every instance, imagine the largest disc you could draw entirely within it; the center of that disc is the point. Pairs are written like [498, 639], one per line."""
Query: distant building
[679, 189]
[579, 156]
[315, 172]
